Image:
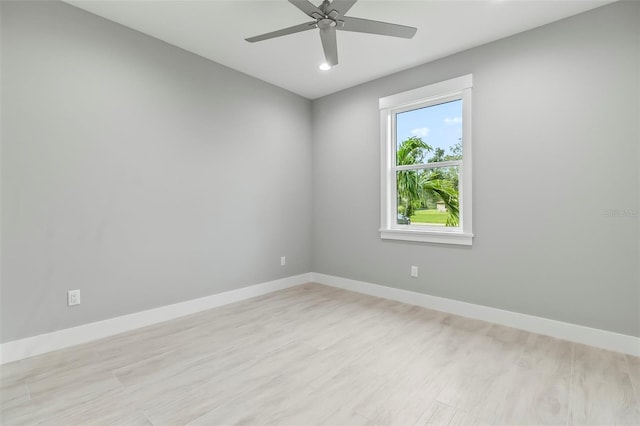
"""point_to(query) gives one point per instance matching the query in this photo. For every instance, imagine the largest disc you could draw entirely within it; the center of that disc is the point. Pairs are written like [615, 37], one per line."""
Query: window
[426, 163]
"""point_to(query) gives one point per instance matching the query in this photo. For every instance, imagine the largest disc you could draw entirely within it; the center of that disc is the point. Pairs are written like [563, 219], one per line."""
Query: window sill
[441, 237]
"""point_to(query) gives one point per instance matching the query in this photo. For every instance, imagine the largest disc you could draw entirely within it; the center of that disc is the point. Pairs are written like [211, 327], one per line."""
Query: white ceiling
[216, 29]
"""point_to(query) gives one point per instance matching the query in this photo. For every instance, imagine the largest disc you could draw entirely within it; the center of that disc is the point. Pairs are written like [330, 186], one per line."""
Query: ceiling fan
[329, 17]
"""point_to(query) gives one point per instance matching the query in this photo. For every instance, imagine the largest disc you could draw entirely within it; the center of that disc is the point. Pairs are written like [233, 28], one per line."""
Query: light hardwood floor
[316, 355]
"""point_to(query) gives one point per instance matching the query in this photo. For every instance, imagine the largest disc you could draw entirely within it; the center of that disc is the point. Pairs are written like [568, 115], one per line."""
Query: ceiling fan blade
[307, 7]
[342, 6]
[376, 27]
[330, 45]
[290, 30]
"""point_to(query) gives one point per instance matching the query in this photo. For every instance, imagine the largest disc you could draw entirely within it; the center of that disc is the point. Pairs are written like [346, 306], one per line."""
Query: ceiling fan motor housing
[326, 23]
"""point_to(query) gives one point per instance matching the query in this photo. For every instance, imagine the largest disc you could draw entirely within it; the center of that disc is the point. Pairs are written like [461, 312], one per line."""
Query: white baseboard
[561, 330]
[36, 345]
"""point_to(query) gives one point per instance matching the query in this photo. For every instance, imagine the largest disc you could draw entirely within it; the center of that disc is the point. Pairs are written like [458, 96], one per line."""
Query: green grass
[429, 216]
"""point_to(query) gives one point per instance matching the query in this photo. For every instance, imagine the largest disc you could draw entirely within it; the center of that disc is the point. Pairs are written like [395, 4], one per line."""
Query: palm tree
[414, 186]
[444, 190]
[411, 151]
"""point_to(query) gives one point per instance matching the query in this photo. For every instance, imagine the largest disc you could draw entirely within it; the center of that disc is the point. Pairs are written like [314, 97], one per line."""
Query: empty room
[301, 212]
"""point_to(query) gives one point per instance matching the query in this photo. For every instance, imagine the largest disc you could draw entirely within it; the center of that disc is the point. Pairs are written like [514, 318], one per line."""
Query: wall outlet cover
[73, 297]
[414, 271]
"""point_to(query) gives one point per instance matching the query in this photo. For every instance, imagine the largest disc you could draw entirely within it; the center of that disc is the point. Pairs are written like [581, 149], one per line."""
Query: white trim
[387, 188]
[561, 330]
[427, 236]
[443, 88]
[459, 88]
[36, 345]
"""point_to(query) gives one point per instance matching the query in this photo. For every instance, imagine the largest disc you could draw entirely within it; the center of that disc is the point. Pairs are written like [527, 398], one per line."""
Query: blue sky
[438, 125]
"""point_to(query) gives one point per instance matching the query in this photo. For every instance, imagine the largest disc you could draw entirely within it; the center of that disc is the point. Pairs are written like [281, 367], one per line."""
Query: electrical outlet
[283, 261]
[414, 271]
[73, 297]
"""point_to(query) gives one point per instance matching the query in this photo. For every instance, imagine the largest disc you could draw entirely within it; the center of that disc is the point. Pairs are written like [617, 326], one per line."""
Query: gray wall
[144, 175]
[139, 173]
[556, 140]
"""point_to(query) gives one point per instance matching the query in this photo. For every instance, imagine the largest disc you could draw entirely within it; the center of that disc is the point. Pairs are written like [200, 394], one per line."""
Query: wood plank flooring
[316, 355]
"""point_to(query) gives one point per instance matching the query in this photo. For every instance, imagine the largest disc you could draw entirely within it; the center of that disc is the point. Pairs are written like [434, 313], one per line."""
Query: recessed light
[325, 67]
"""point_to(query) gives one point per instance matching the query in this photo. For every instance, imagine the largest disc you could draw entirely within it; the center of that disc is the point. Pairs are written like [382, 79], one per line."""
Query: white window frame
[390, 106]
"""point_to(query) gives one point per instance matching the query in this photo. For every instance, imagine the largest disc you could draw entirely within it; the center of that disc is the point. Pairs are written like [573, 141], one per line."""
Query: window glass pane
[429, 134]
[428, 196]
